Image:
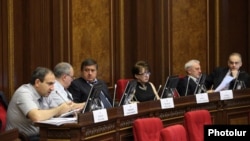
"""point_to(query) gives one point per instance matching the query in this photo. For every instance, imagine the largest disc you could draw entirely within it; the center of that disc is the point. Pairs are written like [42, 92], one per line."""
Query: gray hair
[190, 63]
[62, 68]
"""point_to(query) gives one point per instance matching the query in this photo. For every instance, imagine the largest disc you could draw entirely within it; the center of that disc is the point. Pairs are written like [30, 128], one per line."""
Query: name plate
[226, 94]
[202, 98]
[100, 115]
[130, 109]
[167, 103]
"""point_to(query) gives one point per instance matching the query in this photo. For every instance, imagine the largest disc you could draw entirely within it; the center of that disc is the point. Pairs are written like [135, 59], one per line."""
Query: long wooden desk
[119, 128]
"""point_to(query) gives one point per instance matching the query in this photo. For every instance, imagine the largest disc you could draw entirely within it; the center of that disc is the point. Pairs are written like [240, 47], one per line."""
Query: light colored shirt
[59, 94]
[24, 100]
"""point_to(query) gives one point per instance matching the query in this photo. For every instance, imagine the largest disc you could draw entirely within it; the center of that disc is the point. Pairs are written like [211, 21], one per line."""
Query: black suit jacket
[216, 77]
[182, 86]
[80, 89]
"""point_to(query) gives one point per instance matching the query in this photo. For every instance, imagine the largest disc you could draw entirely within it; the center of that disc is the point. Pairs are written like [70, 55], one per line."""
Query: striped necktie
[68, 95]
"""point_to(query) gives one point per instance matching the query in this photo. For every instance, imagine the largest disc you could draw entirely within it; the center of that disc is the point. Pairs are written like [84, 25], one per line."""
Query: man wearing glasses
[240, 78]
[64, 74]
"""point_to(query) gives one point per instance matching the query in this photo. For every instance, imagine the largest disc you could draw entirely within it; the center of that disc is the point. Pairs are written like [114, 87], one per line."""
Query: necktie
[40, 101]
[69, 95]
[105, 101]
[43, 103]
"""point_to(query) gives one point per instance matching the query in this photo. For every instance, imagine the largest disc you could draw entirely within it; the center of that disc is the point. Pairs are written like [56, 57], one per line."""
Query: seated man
[31, 103]
[64, 73]
[188, 84]
[81, 86]
[215, 78]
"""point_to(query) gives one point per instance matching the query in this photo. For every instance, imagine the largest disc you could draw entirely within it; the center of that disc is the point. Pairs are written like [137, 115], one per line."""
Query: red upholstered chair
[147, 129]
[175, 132]
[121, 85]
[194, 122]
[3, 111]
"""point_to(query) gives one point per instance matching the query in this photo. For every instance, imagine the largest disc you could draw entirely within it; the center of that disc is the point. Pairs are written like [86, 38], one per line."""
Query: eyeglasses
[145, 74]
[72, 77]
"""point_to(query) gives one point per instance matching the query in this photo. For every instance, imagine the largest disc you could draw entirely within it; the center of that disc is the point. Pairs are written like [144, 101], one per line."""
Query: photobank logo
[239, 132]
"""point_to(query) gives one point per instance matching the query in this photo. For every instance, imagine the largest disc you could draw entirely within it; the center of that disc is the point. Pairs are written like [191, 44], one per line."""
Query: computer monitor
[128, 93]
[93, 101]
[169, 89]
[200, 87]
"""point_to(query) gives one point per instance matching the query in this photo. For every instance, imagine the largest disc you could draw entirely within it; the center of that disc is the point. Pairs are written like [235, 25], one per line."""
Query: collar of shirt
[194, 79]
[92, 82]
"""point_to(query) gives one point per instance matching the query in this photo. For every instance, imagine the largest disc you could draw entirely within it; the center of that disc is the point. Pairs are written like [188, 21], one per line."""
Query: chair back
[121, 85]
[147, 129]
[175, 132]
[3, 111]
[194, 122]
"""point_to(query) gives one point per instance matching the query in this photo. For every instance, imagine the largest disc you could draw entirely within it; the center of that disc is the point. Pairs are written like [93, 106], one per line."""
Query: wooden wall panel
[189, 33]
[91, 36]
[117, 33]
[233, 33]
[4, 67]
[41, 37]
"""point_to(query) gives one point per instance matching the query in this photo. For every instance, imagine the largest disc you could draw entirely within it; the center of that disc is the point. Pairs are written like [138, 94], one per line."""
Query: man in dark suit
[215, 78]
[81, 86]
[187, 85]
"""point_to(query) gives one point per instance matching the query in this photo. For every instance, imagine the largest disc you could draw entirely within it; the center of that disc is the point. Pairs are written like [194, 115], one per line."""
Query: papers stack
[59, 121]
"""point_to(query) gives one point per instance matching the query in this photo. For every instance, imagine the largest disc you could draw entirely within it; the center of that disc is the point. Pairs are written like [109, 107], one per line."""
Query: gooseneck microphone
[187, 86]
[114, 95]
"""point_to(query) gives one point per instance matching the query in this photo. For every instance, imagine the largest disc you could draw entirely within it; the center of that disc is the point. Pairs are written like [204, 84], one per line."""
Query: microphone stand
[114, 95]
[187, 86]
[236, 81]
[158, 91]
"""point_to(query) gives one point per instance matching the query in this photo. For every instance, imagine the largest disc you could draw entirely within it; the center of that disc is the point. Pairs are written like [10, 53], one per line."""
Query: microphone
[159, 89]
[61, 97]
[236, 81]
[187, 86]
[114, 95]
[200, 87]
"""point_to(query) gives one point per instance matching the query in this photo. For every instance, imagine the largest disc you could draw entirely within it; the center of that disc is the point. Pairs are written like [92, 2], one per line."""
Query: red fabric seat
[121, 85]
[147, 129]
[175, 132]
[194, 122]
[3, 113]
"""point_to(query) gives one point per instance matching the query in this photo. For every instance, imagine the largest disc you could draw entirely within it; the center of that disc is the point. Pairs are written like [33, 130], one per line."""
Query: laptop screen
[127, 95]
[93, 101]
[170, 86]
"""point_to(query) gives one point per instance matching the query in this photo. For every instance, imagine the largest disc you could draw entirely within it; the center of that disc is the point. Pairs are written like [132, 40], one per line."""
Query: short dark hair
[138, 67]
[39, 73]
[89, 62]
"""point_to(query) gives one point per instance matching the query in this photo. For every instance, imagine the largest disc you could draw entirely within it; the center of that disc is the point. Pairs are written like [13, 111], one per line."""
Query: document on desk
[59, 121]
[73, 112]
[226, 81]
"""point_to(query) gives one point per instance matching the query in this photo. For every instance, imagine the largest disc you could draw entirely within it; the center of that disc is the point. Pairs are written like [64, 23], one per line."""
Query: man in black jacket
[240, 78]
[81, 86]
[188, 84]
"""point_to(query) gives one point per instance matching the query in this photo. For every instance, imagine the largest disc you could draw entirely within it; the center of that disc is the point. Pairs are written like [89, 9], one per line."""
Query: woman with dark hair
[145, 90]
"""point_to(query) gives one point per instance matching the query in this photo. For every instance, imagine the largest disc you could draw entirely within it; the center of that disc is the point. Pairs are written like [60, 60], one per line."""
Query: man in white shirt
[64, 74]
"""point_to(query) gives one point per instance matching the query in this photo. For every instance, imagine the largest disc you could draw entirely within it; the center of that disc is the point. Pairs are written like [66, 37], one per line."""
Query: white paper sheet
[59, 121]
[224, 83]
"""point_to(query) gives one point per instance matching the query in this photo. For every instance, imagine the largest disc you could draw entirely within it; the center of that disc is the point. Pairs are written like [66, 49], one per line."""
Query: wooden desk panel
[119, 128]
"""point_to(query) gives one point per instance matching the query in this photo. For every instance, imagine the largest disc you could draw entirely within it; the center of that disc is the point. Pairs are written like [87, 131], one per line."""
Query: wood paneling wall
[117, 33]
